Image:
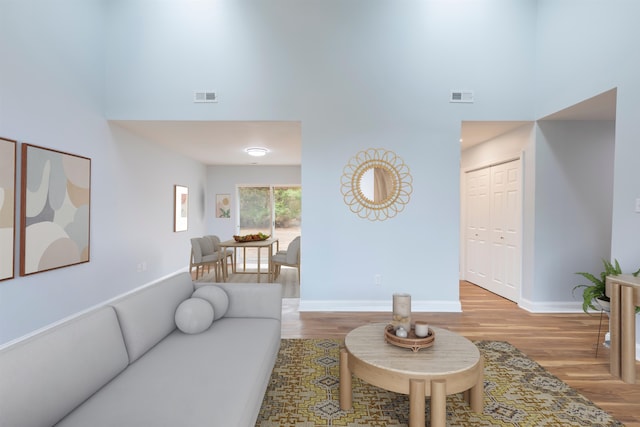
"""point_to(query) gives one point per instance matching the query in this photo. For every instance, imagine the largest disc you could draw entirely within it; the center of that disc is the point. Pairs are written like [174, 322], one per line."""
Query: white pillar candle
[421, 329]
[402, 311]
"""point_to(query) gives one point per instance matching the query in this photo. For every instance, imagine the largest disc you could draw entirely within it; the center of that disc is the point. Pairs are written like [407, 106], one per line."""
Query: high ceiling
[223, 142]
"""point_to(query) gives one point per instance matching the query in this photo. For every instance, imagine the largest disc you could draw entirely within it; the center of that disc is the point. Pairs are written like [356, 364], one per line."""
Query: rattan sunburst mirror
[376, 184]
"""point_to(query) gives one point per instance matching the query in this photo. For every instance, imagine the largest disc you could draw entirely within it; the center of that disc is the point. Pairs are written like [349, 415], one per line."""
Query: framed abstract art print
[7, 207]
[55, 209]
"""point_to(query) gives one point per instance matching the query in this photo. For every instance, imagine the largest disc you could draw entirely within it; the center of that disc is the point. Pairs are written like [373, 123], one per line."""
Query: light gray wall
[380, 77]
[586, 55]
[574, 198]
[51, 95]
[583, 50]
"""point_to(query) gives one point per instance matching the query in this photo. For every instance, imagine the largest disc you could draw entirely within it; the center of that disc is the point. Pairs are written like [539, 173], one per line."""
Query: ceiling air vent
[461, 96]
[205, 97]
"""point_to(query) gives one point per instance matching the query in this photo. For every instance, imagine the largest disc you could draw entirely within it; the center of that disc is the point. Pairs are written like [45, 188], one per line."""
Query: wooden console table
[624, 291]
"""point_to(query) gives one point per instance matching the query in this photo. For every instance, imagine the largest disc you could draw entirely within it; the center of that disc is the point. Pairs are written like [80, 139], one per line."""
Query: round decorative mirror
[376, 184]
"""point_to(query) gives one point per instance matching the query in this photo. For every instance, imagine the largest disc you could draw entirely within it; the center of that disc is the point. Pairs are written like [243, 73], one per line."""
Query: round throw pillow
[194, 315]
[216, 296]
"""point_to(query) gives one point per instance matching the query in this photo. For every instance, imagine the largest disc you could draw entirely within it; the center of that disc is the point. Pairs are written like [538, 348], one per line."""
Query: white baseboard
[550, 306]
[377, 306]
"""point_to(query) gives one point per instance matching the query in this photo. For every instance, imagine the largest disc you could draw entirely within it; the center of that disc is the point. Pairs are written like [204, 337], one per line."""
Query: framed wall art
[55, 209]
[181, 208]
[7, 207]
[223, 206]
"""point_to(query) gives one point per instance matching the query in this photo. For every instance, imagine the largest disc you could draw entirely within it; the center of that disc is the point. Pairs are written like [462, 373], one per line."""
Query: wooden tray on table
[412, 341]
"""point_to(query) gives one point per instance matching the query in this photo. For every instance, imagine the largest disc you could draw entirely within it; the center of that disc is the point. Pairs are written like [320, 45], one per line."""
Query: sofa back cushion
[44, 377]
[148, 315]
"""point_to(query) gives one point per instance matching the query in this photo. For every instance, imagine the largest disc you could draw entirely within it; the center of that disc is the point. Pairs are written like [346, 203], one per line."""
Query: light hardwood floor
[564, 344]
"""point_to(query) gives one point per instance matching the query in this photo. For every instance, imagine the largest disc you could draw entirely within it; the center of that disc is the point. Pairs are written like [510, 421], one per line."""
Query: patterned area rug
[304, 392]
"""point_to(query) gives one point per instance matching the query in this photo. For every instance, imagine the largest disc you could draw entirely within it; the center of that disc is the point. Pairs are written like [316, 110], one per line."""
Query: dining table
[254, 244]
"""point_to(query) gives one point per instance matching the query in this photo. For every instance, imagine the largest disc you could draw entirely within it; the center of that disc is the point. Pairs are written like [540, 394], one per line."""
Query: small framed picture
[181, 208]
[223, 206]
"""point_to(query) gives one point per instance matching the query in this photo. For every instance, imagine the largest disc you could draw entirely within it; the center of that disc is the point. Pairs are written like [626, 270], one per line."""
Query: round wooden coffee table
[452, 365]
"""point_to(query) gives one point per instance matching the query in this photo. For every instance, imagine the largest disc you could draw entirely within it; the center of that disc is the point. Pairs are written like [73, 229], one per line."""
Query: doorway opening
[572, 206]
[491, 188]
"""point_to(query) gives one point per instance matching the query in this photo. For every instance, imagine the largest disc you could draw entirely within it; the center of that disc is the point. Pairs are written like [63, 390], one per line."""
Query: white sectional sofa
[127, 364]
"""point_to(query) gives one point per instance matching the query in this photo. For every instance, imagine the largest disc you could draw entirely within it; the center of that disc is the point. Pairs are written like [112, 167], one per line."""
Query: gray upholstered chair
[228, 255]
[288, 258]
[203, 255]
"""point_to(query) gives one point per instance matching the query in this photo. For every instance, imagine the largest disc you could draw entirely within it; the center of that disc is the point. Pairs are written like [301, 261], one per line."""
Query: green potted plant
[593, 294]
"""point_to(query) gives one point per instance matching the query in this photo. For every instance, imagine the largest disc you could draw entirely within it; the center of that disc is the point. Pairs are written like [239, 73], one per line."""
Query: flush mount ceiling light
[256, 151]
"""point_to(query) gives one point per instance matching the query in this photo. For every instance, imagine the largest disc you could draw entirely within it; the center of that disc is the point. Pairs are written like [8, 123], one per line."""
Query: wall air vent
[461, 96]
[205, 97]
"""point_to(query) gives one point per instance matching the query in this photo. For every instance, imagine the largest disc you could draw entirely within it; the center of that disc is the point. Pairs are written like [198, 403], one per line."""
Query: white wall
[583, 50]
[51, 94]
[585, 56]
[574, 161]
[225, 179]
[380, 77]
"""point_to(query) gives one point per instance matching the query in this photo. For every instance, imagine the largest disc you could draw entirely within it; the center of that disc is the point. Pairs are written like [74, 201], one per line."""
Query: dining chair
[203, 255]
[227, 255]
[288, 258]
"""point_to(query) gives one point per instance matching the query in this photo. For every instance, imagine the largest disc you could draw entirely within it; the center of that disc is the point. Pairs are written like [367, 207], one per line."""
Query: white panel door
[493, 229]
[477, 223]
[505, 230]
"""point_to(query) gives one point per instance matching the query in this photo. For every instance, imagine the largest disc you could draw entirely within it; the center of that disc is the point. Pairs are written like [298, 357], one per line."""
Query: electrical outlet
[377, 279]
[638, 205]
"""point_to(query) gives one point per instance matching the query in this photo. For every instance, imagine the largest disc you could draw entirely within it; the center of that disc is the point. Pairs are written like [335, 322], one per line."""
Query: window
[273, 210]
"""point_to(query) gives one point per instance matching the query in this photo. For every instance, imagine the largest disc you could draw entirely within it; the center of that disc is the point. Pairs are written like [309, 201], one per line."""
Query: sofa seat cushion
[216, 378]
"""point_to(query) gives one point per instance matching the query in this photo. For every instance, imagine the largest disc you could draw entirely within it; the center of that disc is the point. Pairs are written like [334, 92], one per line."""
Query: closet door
[477, 223]
[493, 224]
[505, 230]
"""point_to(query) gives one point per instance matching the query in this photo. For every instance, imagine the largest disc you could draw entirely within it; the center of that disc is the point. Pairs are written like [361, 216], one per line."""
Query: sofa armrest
[253, 299]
